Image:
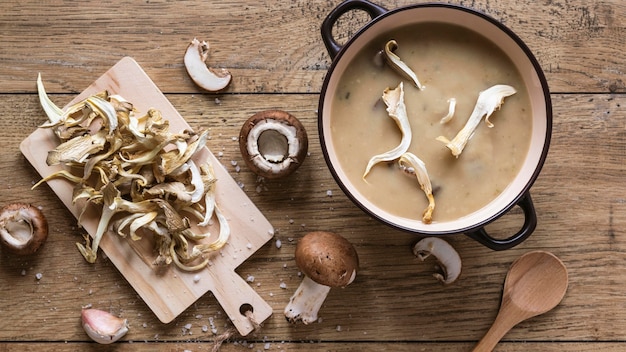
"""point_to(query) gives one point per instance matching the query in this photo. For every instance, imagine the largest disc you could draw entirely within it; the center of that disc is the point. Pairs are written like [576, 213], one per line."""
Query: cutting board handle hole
[245, 309]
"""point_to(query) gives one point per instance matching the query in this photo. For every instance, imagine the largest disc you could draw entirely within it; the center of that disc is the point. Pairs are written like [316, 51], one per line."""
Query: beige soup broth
[451, 63]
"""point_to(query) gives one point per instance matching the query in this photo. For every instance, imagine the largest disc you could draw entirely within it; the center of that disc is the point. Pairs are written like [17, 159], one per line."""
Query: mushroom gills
[447, 257]
[273, 146]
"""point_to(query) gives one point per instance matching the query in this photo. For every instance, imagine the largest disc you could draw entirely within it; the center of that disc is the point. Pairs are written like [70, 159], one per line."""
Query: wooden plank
[578, 43]
[581, 219]
[168, 291]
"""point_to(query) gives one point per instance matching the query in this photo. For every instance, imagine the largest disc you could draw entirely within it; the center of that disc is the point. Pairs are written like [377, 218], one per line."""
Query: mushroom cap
[273, 143]
[23, 228]
[327, 258]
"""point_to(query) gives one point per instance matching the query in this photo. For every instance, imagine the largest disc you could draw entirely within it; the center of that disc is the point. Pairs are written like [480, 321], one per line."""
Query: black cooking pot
[517, 193]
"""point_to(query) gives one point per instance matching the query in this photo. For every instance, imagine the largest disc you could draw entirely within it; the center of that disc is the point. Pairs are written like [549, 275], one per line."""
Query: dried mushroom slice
[394, 99]
[142, 176]
[400, 66]
[414, 166]
[488, 101]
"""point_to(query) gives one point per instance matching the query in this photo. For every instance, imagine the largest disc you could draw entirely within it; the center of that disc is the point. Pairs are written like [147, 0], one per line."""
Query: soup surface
[451, 62]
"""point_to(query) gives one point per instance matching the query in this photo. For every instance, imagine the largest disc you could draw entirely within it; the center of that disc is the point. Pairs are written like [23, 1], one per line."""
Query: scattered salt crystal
[205, 328]
[291, 221]
[283, 285]
[267, 346]
[196, 278]
[249, 245]
[188, 326]
[270, 232]
[278, 244]
[217, 101]
[220, 154]
[38, 276]
[329, 193]
[233, 162]
[237, 168]
[250, 278]
[338, 328]
[23, 272]
[235, 139]
[145, 325]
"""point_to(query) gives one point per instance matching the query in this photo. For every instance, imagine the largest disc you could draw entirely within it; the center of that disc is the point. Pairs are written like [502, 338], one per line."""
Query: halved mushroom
[273, 143]
[447, 257]
[23, 228]
[206, 77]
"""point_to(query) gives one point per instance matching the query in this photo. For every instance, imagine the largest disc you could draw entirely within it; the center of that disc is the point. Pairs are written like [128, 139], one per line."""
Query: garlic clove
[103, 327]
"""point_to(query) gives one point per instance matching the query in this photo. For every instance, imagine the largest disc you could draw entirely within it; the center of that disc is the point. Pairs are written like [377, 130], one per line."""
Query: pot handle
[327, 26]
[530, 223]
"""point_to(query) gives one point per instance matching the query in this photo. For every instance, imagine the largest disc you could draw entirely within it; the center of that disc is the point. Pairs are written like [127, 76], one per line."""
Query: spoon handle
[505, 320]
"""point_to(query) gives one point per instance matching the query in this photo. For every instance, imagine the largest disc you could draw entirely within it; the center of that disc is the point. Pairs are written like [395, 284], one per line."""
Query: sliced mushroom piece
[451, 110]
[488, 101]
[103, 327]
[396, 108]
[447, 257]
[273, 143]
[23, 228]
[414, 166]
[327, 260]
[195, 62]
[400, 66]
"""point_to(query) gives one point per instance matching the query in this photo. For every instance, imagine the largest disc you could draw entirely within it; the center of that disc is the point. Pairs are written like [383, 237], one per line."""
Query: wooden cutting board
[169, 291]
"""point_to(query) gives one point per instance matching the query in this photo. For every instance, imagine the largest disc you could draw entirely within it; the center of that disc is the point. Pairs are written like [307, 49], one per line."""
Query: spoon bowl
[536, 283]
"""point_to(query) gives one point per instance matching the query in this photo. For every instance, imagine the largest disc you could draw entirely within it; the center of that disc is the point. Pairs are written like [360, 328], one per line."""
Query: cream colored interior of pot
[527, 71]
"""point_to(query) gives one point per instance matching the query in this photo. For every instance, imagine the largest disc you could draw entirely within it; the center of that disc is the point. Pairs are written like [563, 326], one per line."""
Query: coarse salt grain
[279, 244]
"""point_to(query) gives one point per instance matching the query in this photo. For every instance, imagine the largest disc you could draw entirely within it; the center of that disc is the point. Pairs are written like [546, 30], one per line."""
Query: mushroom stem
[306, 301]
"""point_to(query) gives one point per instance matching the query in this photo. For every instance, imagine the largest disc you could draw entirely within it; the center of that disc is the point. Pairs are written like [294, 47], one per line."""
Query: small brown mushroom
[23, 228]
[273, 143]
[327, 260]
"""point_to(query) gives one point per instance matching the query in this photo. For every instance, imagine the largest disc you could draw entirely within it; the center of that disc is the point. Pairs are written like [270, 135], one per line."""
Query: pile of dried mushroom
[143, 176]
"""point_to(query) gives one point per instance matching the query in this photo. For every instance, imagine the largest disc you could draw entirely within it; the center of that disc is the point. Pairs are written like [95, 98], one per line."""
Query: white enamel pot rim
[517, 193]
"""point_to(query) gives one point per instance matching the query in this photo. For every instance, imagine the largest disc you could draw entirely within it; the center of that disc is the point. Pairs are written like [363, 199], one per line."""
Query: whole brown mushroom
[273, 143]
[23, 228]
[327, 260]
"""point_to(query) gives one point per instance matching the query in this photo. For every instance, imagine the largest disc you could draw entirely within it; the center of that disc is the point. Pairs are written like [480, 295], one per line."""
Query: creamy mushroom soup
[450, 62]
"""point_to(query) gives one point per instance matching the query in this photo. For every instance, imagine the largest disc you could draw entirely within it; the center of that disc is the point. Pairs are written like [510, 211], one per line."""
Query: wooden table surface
[278, 61]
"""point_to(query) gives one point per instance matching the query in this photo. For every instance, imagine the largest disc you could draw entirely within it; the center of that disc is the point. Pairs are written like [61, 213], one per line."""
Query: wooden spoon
[535, 283]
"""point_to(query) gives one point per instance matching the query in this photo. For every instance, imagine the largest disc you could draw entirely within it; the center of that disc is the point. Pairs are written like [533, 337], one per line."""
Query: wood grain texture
[279, 62]
[578, 43]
